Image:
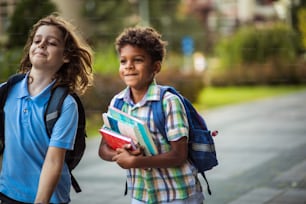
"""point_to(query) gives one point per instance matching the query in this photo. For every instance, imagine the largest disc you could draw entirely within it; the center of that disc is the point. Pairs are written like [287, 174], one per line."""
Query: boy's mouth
[130, 74]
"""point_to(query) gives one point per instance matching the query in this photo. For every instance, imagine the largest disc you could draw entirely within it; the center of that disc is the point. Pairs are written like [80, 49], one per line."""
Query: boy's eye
[122, 61]
[52, 43]
[36, 41]
[138, 59]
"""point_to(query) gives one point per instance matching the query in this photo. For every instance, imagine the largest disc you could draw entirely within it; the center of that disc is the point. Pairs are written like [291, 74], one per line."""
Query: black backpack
[52, 113]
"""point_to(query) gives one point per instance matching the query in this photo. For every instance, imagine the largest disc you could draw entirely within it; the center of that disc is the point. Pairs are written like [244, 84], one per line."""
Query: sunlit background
[220, 55]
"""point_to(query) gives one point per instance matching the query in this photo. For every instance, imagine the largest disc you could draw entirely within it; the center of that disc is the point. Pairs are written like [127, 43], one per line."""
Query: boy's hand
[136, 152]
[125, 158]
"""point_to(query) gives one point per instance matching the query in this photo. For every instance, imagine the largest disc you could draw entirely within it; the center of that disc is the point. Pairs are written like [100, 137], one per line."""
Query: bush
[106, 61]
[269, 73]
[9, 63]
[98, 97]
[267, 55]
[253, 45]
[188, 84]
[26, 13]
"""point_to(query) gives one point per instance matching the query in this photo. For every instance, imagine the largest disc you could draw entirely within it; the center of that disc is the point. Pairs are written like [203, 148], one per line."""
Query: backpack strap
[4, 89]
[54, 107]
[53, 112]
[118, 103]
[81, 127]
[81, 110]
[158, 109]
[158, 112]
[7, 86]
[159, 116]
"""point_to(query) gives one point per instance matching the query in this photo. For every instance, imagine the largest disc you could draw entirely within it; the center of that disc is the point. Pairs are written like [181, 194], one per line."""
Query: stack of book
[134, 131]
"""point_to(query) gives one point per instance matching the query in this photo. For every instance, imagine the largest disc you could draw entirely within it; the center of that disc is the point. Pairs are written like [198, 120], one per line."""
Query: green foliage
[106, 61]
[108, 18]
[9, 63]
[258, 45]
[26, 13]
[298, 20]
[302, 25]
[188, 84]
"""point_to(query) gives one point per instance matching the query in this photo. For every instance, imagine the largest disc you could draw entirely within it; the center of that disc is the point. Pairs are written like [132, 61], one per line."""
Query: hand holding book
[130, 126]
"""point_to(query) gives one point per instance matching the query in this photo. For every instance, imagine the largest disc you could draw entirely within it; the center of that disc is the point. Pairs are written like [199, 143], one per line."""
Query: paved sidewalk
[261, 149]
[262, 152]
[290, 189]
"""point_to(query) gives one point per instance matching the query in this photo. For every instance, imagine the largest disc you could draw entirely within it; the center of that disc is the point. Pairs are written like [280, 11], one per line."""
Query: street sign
[187, 45]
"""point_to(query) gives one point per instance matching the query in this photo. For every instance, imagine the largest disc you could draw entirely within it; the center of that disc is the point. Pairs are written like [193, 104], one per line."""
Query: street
[261, 149]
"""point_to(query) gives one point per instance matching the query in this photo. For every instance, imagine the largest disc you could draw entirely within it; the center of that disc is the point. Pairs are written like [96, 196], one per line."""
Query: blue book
[126, 129]
[141, 129]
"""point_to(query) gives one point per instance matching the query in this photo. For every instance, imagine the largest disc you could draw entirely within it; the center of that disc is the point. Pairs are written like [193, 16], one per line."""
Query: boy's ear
[157, 67]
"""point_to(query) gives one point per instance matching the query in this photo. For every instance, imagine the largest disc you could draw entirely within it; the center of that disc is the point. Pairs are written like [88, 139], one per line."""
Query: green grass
[213, 97]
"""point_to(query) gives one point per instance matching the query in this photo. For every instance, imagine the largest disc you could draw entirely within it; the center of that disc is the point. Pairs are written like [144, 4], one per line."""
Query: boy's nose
[129, 66]
[42, 44]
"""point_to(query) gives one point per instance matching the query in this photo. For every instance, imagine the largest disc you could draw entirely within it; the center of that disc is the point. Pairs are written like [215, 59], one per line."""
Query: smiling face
[137, 69]
[47, 49]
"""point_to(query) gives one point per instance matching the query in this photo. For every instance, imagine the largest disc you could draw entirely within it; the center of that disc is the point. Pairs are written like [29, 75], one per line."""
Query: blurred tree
[109, 19]
[27, 12]
[299, 20]
[258, 45]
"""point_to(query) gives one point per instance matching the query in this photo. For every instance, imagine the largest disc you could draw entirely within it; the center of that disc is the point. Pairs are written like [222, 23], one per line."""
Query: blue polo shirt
[27, 142]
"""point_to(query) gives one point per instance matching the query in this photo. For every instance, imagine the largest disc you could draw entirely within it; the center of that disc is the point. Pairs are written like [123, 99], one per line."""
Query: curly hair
[146, 38]
[78, 73]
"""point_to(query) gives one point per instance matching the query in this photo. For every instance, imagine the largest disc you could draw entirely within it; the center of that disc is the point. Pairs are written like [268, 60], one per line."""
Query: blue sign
[187, 45]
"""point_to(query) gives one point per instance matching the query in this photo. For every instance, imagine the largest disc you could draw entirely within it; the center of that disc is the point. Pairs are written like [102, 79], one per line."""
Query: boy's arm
[105, 152]
[50, 174]
[177, 156]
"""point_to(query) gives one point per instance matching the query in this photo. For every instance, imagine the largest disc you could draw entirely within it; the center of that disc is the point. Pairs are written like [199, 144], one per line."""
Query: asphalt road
[257, 142]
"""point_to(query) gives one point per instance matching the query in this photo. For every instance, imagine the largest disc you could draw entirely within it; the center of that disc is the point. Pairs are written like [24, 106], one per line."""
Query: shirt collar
[41, 98]
[153, 94]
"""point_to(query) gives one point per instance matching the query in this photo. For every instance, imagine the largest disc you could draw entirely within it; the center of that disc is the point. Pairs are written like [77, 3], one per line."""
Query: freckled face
[136, 67]
[47, 49]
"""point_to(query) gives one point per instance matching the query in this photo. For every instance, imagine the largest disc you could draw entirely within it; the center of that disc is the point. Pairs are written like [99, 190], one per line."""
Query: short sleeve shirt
[27, 142]
[160, 184]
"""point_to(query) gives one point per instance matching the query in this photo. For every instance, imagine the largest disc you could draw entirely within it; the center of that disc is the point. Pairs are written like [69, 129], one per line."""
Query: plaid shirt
[160, 184]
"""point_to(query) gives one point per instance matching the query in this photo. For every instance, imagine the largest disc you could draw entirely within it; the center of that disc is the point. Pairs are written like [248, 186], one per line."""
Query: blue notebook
[119, 120]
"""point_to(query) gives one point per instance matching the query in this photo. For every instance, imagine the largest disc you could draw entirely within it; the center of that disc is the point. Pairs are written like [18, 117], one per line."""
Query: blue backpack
[201, 148]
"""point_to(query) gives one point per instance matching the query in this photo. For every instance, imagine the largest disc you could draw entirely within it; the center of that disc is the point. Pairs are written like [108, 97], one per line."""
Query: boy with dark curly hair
[167, 177]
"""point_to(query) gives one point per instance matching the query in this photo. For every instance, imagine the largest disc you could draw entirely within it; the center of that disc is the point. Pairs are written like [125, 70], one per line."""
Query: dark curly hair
[77, 74]
[146, 38]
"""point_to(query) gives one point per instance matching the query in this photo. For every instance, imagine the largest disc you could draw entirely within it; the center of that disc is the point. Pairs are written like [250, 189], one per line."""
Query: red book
[116, 140]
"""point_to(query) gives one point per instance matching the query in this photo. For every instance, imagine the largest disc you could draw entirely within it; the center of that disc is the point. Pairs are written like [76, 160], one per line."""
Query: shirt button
[25, 110]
